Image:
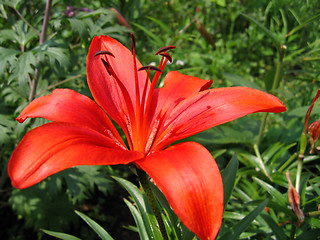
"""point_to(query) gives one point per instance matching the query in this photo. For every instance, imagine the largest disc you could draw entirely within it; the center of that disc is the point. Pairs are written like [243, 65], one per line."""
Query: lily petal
[177, 87]
[65, 105]
[189, 177]
[213, 107]
[116, 97]
[54, 147]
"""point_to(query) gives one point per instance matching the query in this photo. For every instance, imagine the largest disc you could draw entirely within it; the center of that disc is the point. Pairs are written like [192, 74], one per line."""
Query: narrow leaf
[238, 80]
[161, 24]
[241, 226]
[294, 30]
[228, 178]
[138, 220]
[278, 231]
[271, 190]
[60, 235]
[264, 29]
[153, 36]
[95, 226]
[138, 199]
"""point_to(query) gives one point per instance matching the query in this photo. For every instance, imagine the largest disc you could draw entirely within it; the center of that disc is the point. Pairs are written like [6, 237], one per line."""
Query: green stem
[262, 166]
[153, 202]
[262, 127]
[277, 75]
[276, 80]
[299, 171]
[43, 37]
[293, 231]
[314, 213]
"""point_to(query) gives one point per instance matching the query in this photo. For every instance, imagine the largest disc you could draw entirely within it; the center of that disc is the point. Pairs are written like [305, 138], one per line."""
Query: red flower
[82, 134]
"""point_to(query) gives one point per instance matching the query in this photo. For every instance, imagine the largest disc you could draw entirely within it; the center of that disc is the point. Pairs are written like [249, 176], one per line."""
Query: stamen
[167, 55]
[104, 52]
[139, 116]
[133, 42]
[144, 95]
[164, 49]
[150, 68]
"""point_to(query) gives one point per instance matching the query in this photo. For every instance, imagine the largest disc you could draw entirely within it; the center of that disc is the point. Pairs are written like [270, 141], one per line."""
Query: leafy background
[269, 45]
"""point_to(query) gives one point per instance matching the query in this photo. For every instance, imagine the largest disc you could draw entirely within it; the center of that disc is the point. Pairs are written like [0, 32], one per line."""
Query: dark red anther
[104, 52]
[150, 68]
[167, 55]
[106, 65]
[133, 42]
[164, 49]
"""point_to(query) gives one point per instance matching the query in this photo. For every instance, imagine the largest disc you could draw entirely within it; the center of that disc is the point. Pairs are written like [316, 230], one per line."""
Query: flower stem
[276, 80]
[262, 127]
[263, 167]
[43, 37]
[152, 200]
[299, 171]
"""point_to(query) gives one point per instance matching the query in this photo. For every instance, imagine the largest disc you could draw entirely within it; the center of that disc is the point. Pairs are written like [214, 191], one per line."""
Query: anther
[167, 55]
[104, 52]
[164, 49]
[106, 65]
[150, 68]
[133, 42]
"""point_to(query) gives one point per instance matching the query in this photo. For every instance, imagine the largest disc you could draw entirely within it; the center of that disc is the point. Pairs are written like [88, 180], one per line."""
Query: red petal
[54, 147]
[189, 177]
[214, 107]
[64, 105]
[116, 101]
[177, 87]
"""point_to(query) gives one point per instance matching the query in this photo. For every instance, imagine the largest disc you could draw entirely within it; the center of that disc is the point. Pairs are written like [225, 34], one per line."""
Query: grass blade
[241, 226]
[95, 226]
[274, 38]
[60, 235]
[228, 177]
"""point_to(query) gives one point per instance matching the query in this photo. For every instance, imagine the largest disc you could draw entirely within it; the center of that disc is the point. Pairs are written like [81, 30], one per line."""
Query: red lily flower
[82, 134]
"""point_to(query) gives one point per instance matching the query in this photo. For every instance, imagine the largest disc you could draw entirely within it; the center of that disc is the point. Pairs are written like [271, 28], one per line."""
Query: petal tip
[20, 119]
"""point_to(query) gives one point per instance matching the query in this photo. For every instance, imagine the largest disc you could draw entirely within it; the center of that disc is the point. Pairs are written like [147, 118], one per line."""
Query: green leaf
[59, 235]
[23, 66]
[150, 34]
[241, 226]
[294, 30]
[278, 231]
[274, 38]
[228, 177]
[54, 53]
[161, 24]
[78, 25]
[175, 222]
[95, 226]
[138, 220]
[221, 3]
[7, 56]
[309, 235]
[269, 77]
[301, 111]
[243, 130]
[11, 3]
[139, 201]
[240, 81]
[272, 191]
